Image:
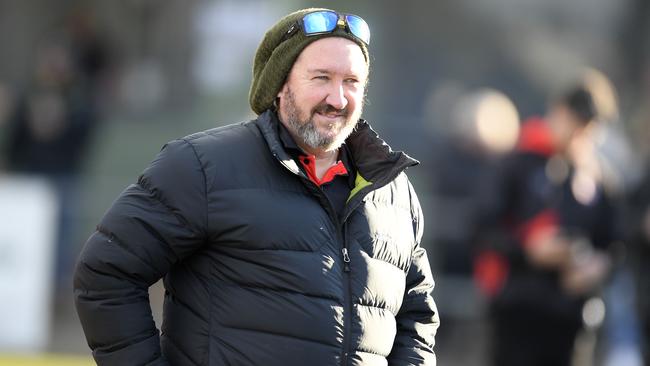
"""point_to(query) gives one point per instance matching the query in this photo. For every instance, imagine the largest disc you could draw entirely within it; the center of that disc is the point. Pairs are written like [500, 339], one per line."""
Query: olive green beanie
[274, 58]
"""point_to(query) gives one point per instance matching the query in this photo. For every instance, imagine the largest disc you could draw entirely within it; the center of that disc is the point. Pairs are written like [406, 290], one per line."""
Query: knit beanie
[274, 58]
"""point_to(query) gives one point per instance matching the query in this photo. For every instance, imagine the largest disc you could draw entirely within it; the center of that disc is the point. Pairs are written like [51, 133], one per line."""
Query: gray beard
[306, 130]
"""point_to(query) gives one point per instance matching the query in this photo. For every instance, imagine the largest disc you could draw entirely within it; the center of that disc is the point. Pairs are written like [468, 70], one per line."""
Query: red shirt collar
[309, 163]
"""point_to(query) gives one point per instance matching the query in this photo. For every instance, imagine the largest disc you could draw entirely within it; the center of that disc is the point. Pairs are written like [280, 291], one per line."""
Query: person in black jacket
[545, 237]
[292, 239]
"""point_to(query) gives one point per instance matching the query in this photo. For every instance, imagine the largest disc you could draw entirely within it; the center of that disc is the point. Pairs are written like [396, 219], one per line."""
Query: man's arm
[418, 319]
[152, 225]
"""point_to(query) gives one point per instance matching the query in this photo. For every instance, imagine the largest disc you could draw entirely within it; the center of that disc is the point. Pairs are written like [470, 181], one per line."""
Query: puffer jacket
[258, 268]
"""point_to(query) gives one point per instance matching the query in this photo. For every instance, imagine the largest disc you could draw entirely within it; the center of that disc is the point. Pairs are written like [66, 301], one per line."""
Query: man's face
[322, 99]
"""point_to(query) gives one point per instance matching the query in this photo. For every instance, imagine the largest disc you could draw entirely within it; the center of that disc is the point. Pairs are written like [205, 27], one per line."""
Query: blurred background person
[619, 168]
[481, 125]
[639, 200]
[638, 223]
[53, 121]
[470, 131]
[546, 227]
[640, 238]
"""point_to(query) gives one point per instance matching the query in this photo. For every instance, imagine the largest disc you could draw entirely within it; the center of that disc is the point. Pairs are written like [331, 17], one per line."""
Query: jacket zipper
[341, 228]
[347, 298]
[346, 259]
[342, 238]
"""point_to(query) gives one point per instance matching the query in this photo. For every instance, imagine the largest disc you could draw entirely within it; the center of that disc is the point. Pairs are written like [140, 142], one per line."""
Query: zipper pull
[346, 260]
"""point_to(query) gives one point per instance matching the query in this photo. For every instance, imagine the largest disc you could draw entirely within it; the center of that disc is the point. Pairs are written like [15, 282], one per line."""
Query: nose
[336, 96]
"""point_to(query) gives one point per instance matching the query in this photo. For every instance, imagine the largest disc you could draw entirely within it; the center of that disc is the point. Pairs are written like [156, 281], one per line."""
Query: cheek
[311, 97]
[355, 97]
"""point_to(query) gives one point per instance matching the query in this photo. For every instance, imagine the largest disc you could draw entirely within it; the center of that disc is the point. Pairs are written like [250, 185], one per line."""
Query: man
[545, 237]
[292, 239]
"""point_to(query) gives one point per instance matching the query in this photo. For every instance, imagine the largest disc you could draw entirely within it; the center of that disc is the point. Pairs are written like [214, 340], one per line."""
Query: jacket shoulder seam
[205, 184]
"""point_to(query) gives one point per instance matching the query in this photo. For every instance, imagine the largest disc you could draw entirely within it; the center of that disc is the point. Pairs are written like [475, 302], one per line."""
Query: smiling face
[322, 99]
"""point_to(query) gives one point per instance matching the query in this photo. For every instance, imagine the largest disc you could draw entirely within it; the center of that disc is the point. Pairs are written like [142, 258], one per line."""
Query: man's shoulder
[242, 142]
[233, 139]
[232, 133]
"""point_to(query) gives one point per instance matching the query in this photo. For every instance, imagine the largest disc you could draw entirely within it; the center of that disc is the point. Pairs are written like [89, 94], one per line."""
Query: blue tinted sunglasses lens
[319, 22]
[358, 27]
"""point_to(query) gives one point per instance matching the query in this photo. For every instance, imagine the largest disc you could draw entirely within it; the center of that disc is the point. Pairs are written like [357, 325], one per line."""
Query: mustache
[325, 108]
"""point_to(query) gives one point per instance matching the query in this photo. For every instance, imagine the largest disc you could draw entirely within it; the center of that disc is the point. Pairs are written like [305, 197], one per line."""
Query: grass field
[45, 360]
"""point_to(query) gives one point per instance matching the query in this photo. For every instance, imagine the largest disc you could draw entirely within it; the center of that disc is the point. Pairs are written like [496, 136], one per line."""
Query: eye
[321, 77]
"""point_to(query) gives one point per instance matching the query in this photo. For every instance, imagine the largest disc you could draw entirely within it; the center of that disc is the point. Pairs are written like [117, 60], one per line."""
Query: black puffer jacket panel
[257, 267]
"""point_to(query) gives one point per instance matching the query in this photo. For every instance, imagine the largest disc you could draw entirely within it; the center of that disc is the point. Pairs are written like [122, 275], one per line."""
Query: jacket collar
[375, 161]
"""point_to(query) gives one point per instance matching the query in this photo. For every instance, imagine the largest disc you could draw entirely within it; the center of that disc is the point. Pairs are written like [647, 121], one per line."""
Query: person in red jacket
[546, 227]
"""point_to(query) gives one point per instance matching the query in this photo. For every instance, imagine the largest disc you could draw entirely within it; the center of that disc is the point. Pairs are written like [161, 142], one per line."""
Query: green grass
[45, 360]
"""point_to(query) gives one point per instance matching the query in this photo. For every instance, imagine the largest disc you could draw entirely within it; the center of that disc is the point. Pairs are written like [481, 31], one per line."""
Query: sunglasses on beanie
[326, 21]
